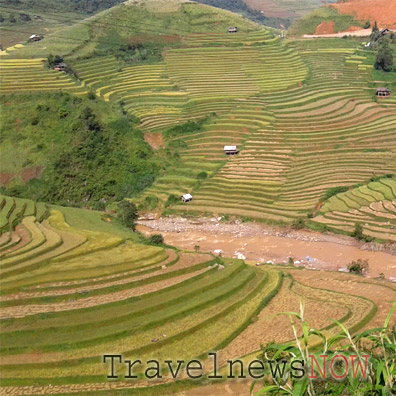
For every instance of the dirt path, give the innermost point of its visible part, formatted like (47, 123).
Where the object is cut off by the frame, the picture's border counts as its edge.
(269, 244)
(354, 33)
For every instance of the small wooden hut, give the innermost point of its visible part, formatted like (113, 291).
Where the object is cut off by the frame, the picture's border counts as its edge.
(383, 92)
(231, 150)
(186, 198)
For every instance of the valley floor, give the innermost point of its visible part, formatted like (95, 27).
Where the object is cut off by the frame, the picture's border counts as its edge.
(263, 243)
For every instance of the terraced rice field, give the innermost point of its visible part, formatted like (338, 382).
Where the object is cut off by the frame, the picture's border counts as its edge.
(302, 114)
(326, 133)
(372, 205)
(70, 294)
(140, 299)
(29, 75)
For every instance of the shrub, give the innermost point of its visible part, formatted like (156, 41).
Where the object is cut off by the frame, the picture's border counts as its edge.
(156, 239)
(150, 202)
(225, 217)
(358, 232)
(172, 200)
(91, 95)
(367, 25)
(186, 128)
(358, 267)
(25, 17)
(334, 191)
(127, 214)
(202, 176)
(298, 224)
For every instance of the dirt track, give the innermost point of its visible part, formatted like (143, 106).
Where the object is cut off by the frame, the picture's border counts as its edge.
(354, 33)
(269, 244)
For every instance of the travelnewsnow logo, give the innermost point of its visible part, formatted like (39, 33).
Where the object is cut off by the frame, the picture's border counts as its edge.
(338, 366)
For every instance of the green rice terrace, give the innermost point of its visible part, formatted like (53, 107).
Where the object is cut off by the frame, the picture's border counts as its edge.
(142, 300)
(142, 112)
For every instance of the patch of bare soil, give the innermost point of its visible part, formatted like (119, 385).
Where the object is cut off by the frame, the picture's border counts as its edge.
(26, 174)
(6, 177)
(353, 28)
(325, 28)
(381, 11)
(155, 140)
(270, 244)
(34, 172)
(355, 33)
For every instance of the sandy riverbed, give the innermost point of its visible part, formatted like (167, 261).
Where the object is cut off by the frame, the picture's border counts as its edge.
(263, 243)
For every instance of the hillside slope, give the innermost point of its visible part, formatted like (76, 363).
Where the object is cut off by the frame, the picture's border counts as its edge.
(75, 287)
(61, 148)
(346, 16)
(279, 14)
(381, 11)
(20, 19)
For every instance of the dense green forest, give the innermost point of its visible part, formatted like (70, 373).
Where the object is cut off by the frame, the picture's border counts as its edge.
(89, 152)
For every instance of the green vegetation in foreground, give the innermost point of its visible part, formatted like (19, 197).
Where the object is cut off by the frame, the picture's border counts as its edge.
(84, 152)
(379, 344)
(308, 23)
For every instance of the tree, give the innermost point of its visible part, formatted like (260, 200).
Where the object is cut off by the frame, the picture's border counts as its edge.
(25, 17)
(358, 232)
(298, 224)
(358, 267)
(127, 214)
(156, 239)
(54, 60)
(384, 59)
(202, 176)
(375, 34)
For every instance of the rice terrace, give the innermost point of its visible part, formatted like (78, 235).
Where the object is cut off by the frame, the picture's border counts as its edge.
(198, 198)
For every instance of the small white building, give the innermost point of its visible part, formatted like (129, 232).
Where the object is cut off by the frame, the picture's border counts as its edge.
(231, 150)
(232, 29)
(186, 198)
